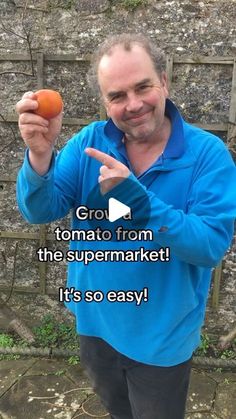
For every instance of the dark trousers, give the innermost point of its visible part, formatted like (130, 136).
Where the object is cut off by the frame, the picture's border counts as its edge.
(133, 390)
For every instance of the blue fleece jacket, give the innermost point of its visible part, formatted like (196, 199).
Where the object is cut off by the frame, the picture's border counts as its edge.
(192, 197)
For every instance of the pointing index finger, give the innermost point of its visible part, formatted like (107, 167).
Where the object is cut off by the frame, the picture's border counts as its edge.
(103, 158)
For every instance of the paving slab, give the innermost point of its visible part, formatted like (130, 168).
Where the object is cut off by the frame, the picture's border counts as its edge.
(78, 376)
(48, 366)
(10, 371)
(220, 377)
(49, 388)
(41, 389)
(203, 416)
(201, 392)
(225, 400)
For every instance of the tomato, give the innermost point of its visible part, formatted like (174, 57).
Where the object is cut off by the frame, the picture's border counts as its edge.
(50, 103)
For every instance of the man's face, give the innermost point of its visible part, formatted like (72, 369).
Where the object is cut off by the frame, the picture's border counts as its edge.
(133, 93)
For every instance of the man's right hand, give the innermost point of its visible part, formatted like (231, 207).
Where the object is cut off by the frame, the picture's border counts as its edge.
(39, 134)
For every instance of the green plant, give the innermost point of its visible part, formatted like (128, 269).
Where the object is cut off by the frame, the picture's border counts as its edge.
(133, 4)
(228, 354)
(53, 334)
(68, 336)
(73, 360)
(46, 333)
(63, 4)
(59, 373)
(204, 345)
(6, 341)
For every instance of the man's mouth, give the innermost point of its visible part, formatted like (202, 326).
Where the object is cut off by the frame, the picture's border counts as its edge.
(138, 117)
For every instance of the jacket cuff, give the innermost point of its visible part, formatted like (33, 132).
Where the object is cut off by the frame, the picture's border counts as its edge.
(32, 176)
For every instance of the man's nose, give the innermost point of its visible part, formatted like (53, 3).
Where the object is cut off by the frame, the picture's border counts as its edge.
(134, 103)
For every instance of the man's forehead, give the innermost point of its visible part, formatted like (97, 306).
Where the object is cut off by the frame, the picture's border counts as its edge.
(119, 51)
(126, 66)
(132, 46)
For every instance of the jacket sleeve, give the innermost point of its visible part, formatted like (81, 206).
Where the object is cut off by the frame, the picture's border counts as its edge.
(43, 199)
(202, 234)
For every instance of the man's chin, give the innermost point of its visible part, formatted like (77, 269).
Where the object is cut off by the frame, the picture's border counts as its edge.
(139, 134)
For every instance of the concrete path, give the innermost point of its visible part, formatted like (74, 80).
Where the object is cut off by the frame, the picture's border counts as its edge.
(46, 389)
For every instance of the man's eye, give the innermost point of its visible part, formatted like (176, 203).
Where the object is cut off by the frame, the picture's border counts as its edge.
(117, 98)
(144, 87)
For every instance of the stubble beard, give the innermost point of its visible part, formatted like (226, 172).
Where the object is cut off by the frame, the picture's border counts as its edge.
(144, 134)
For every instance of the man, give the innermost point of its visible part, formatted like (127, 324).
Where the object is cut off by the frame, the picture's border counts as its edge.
(138, 356)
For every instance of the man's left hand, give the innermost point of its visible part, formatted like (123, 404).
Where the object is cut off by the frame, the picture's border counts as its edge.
(111, 172)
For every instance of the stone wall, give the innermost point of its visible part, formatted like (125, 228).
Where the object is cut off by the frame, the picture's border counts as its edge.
(201, 91)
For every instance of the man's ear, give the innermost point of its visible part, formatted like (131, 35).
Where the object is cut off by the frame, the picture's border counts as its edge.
(164, 82)
(164, 78)
(106, 107)
(103, 104)
(103, 111)
(107, 111)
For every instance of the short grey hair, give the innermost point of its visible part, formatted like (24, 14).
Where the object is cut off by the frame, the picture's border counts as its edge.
(127, 40)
